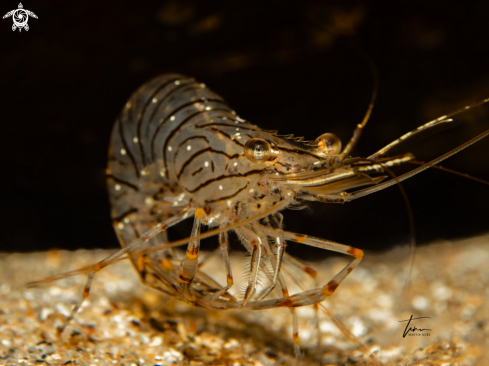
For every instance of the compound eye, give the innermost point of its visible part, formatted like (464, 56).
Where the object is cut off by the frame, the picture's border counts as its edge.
(259, 150)
(329, 144)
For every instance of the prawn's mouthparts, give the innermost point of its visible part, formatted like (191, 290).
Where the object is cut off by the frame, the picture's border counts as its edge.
(326, 181)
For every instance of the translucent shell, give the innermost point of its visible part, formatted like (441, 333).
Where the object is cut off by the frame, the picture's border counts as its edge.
(259, 150)
(329, 144)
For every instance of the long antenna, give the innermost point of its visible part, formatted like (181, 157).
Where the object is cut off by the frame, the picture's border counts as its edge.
(364, 192)
(412, 227)
(465, 175)
(358, 131)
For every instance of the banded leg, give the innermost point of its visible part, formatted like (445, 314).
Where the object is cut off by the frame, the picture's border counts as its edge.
(224, 246)
(295, 335)
(282, 286)
(275, 221)
(166, 256)
(324, 244)
(316, 295)
(188, 265)
(86, 292)
(332, 285)
(276, 265)
(313, 274)
(279, 236)
(301, 266)
(113, 258)
(278, 279)
(253, 240)
(146, 263)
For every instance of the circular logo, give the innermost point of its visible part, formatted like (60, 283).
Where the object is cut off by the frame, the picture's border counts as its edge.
(20, 17)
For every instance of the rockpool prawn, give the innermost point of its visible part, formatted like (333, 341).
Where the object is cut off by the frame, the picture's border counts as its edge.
(178, 150)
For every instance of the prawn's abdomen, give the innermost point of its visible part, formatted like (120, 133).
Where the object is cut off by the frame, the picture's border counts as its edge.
(175, 141)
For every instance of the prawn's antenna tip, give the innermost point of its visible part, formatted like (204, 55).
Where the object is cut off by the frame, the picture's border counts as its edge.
(375, 89)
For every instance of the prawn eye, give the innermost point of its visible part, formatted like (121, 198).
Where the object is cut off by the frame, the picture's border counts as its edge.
(259, 150)
(329, 144)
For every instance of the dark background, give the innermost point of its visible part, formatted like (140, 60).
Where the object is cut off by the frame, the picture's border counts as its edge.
(288, 65)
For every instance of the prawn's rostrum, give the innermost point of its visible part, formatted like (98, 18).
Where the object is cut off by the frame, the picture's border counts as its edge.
(20, 17)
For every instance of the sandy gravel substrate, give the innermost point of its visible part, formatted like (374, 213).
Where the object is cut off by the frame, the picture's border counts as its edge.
(125, 323)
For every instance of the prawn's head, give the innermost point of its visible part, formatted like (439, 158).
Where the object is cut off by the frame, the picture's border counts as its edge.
(312, 170)
(261, 150)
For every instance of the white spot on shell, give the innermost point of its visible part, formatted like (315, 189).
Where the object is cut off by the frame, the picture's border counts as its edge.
(144, 172)
(123, 152)
(135, 139)
(120, 225)
(177, 82)
(220, 188)
(206, 164)
(128, 105)
(154, 100)
(149, 200)
(202, 85)
(251, 190)
(208, 108)
(117, 187)
(189, 147)
(235, 163)
(126, 220)
(229, 203)
(170, 148)
(172, 118)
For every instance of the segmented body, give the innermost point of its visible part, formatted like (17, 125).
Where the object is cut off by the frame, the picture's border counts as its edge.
(177, 144)
(178, 150)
